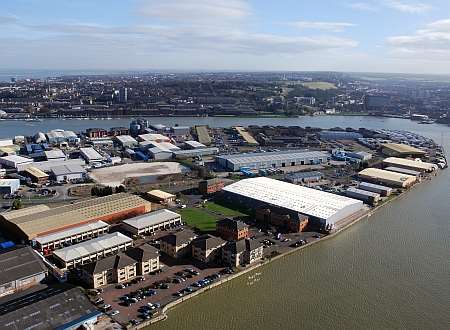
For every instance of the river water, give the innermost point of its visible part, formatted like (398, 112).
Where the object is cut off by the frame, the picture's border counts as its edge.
(391, 271)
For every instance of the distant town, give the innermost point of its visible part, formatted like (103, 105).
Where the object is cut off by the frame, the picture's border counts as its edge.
(422, 98)
(113, 227)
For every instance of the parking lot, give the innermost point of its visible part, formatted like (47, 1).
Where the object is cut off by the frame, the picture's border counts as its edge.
(151, 293)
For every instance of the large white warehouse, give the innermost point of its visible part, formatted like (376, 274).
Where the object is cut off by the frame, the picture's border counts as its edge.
(327, 208)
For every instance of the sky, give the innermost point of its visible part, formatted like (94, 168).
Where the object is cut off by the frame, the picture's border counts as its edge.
(406, 36)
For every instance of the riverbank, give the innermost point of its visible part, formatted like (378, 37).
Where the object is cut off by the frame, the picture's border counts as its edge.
(350, 222)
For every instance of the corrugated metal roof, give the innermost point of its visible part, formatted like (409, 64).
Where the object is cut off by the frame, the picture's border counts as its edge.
(272, 156)
(410, 163)
(386, 175)
(34, 171)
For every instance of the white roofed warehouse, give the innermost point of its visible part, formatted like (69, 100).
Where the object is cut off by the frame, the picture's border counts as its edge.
(150, 222)
(322, 208)
(256, 161)
(391, 179)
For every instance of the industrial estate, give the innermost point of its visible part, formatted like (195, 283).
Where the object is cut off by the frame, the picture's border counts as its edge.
(116, 226)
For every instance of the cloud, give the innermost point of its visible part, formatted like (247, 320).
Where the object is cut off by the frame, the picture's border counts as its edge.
(407, 6)
(363, 6)
(431, 43)
(8, 19)
(196, 11)
(326, 26)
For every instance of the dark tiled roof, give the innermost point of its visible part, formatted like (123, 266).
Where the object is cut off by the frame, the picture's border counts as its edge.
(113, 262)
(232, 224)
(207, 242)
(19, 263)
(241, 246)
(143, 253)
(180, 237)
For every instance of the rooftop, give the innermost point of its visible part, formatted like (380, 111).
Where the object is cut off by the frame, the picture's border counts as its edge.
(272, 156)
(67, 169)
(160, 194)
(71, 232)
(36, 172)
(403, 148)
(301, 199)
(385, 175)
(410, 163)
(92, 246)
(151, 219)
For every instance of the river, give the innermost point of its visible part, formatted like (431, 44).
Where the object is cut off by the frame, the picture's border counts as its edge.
(391, 271)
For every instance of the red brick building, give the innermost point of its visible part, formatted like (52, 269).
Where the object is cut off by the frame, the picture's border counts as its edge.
(232, 229)
(289, 221)
(210, 186)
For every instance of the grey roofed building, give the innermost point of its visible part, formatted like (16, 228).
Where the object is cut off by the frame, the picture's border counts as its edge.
(151, 219)
(92, 247)
(68, 169)
(54, 154)
(181, 237)
(46, 308)
(18, 264)
(117, 261)
(207, 242)
(143, 253)
(241, 246)
(272, 159)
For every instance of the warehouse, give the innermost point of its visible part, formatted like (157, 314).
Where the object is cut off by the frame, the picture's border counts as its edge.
(68, 173)
(401, 150)
(325, 208)
(14, 161)
(92, 250)
(9, 186)
(151, 222)
(160, 154)
(73, 235)
(184, 154)
(109, 209)
(160, 196)
(376, 188)
(304, 177)
(194, 145)
(47, 166)
(154, 138)
(367, 197)
(388, 178)
(402, 170)
(410, 164)
(55, 154)
(20, 269)
(256, 161)
(36, 175)
(91, 155)
(126, 141)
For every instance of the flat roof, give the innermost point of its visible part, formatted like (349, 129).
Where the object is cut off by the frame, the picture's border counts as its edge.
(160, 194)
(376, 186)
(403, 148)
(48, 165)
(301, 199)
(363, 192)
(17, 159)
(74, 214)
(91, 153)
(272, 156)
(386, 175)
(410, 163)
(153, 137)
(71, 232)
(67, 169)
(126, 139)
(54, 153)
(92, 246)
(151, 219)
(45, 307)
(402, 170)
(19, 263)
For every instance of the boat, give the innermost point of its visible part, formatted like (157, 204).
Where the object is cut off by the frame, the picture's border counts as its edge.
(427, 121)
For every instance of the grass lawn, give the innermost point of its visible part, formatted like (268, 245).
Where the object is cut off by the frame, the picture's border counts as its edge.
(225, 211)
(198, 218)
(322, 85)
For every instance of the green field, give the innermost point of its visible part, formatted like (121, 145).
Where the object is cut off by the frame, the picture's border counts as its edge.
(222, 210)
(322, 85)
(199, 218)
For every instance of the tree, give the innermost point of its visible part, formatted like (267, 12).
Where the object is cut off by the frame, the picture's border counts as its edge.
(17, 204)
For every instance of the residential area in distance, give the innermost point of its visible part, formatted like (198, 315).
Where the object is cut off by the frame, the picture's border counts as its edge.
(113, 227)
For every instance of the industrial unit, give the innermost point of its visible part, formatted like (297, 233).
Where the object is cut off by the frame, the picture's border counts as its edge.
(73, 235)
(367, 197)
(160, 196)
(413, 165)
(376, 188)
(151, 222)
(203, 152)
(402, 170)
(13, 161)
(325, 208)
(91, 155)
(36, 175)
(391, 179)
(126, 141)
(68, 173)
(92, 250)
(9, 186)
(401, 150)
(109, 209)
(256, 161)
(20, 268)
